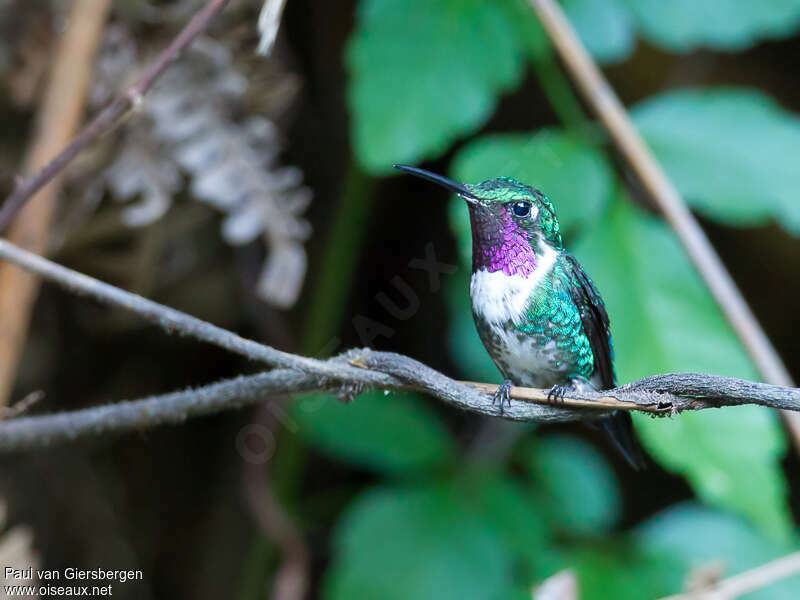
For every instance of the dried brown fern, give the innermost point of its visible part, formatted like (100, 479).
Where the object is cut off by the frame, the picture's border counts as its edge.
(190, 126)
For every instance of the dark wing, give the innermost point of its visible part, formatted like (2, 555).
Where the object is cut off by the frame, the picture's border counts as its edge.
(595, 321)
(618, 426)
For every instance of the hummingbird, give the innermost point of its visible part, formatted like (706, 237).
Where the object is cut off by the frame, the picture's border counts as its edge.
(537, 312)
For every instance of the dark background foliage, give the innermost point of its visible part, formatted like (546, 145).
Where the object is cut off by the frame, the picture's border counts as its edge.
(395, 495)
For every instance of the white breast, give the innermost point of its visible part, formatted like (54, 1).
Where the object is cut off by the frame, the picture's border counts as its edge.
(499, 297)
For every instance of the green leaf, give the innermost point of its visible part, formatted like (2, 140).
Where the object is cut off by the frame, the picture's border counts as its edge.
(417, 543)
(605, 27)
(426, 72)
(730, 456)
(576, 177)
(699, 536)
(621, 572)
(392, 432)
(731, 152)
(664, 320)
(527, 28)
(577, 487)
(683, 25)
(502, 503)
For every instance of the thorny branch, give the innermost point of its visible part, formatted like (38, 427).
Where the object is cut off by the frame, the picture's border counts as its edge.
(347, 375)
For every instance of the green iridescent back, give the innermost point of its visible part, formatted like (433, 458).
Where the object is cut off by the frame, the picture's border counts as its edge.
(553, 317)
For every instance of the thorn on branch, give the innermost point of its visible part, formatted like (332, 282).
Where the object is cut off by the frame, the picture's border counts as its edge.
(136, 99)
(350, 391)
(665, 405)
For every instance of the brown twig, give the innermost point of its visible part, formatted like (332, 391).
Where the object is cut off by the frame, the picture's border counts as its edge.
(112, 113)
(57, 120)
(749, 581)
(538, 396)
(292, 577)
(171, 320)
(23, 406)
(599, 94)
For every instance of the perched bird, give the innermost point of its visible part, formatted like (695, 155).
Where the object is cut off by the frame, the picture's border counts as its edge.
(537, 312)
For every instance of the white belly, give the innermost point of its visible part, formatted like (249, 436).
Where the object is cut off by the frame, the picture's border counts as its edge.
(524, 360)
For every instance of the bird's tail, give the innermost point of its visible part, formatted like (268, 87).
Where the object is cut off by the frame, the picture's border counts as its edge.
(619, 428)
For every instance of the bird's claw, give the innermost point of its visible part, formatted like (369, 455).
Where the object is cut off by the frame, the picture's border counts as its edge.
(556, 395)
(503, 395)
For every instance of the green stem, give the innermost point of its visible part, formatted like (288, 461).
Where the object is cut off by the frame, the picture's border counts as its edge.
(561, 96)
(254, 585)
(336, 272)
(324, 318)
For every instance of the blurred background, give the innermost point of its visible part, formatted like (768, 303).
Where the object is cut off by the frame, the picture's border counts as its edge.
(257, 193)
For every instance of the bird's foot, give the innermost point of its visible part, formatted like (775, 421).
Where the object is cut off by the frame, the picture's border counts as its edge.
(556, 394)
(503, 395)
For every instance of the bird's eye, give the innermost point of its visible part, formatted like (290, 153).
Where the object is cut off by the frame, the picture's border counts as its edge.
(521, 209)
